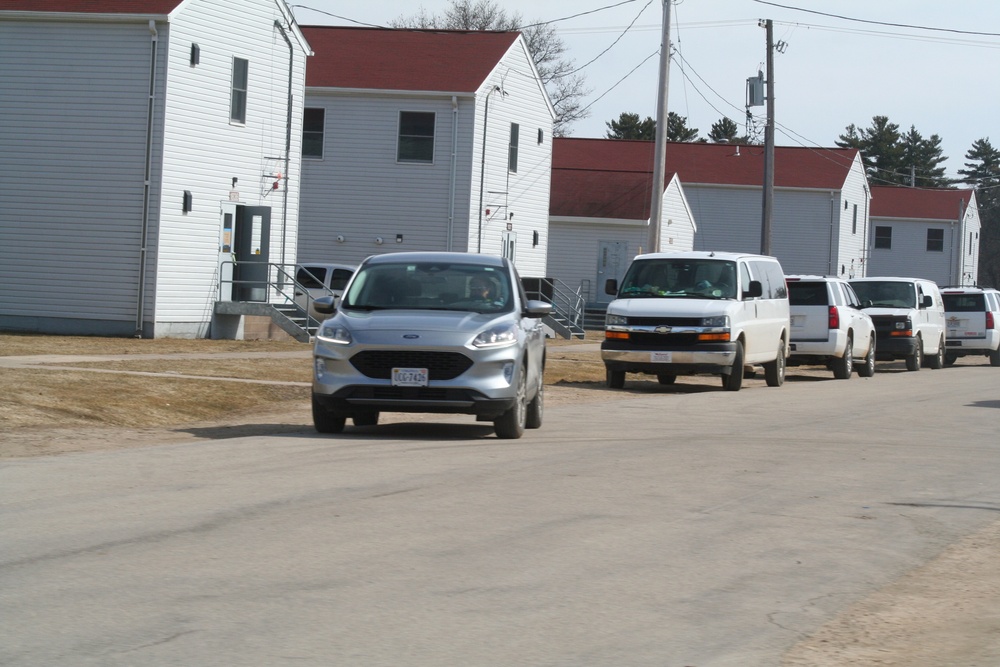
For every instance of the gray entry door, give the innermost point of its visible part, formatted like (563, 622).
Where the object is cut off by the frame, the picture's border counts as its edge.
(611, 263)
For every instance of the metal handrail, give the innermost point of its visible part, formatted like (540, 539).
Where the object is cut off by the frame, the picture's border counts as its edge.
(278, 289)
(566, 303)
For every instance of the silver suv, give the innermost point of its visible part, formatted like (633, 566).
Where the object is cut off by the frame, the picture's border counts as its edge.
(434, 332)
(829, 327)
(972, 317)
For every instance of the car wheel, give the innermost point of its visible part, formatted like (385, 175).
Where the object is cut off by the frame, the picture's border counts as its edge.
(937, 361)
(950, 359)
(915, 360)
(995, 357)
(324, 421)
(510, 425)
(365, 419)
(666, 378)
(615, 379)
(734, 380)
(774, 371)
(844, 366)
(867, 369)
(536, 408)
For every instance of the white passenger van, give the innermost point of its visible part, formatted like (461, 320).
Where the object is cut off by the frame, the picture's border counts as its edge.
(692, 313)
(909, 319)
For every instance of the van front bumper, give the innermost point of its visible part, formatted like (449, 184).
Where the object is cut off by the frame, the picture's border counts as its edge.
(706, 358)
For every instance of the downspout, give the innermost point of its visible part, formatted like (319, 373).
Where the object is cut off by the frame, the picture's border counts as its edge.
(144, 235)
(864, 227)
(454, 168)
(482, 166)
(830, 269)
(288, 138)
(960, 265)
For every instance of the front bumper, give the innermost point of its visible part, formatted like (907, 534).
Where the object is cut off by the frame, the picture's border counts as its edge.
(715, 358)
(895, 347)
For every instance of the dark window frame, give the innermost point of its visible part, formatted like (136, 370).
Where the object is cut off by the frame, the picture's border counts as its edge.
(935, 244)
(238, 92)
(414, 144)
(313, 139)
(883, 237)
(515, 134)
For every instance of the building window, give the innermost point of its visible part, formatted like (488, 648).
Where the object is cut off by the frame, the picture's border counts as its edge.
(416, 137)
(515, 130)
(313, 121)
(935, 240)
(971, 241)
(238, 105)
(883, 237)
(854, 221)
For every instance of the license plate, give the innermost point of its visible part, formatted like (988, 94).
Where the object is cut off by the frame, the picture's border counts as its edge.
(661, 357)
(409, 377)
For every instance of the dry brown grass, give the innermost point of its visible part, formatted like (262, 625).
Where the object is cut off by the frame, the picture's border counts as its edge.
(116, 393)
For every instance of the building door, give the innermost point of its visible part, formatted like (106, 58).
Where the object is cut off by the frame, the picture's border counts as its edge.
(251, 241)
(611, 263)
(227, 254)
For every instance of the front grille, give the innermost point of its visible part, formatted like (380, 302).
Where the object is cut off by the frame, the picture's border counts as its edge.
(885, 323)
(378, 364)
(661, 340)
(664, 321)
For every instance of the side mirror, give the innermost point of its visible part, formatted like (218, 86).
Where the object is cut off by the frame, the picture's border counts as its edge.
(754, 290)
(611, 286)
(537, 309)
(325, 304)
(927, 302)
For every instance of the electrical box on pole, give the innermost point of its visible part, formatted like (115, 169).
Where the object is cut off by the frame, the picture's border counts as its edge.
(755, 90)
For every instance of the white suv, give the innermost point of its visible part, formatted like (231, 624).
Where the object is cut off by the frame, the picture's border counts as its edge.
(829, 327)
(972, 315)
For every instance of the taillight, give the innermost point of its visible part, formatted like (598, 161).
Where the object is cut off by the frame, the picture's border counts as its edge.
(989, 320)
(834, 322)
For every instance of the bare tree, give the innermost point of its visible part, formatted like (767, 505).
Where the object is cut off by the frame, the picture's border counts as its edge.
(564, 86)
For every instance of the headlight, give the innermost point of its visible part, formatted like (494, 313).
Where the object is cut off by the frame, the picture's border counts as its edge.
(615, 320)
(903, 324)
(720, 322)
(497, 336)
(334, 334)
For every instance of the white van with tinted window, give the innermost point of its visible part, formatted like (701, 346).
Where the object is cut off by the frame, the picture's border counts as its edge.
(908, 314)
(691, 313)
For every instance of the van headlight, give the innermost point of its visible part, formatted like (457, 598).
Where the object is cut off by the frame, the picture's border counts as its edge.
(498, 336)
(615, 321)
(333, 333)
(719, 322)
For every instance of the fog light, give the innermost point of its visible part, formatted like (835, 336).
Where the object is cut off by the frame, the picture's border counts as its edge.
(508, 371)
(320, 366)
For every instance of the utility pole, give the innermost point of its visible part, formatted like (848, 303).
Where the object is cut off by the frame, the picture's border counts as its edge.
(768, 203)
(660, 154)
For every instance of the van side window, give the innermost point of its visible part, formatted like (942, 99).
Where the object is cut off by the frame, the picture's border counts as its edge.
(771, 278)
(744, 277)
(339, 279)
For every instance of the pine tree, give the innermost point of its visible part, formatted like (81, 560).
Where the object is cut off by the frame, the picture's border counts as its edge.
(628, 126)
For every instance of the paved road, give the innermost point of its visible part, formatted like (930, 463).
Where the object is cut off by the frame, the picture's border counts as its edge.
(675, 529)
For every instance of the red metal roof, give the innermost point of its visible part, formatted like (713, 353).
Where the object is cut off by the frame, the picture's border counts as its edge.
(919, 203)
(91, 6)
(385, 59)
(590, 176)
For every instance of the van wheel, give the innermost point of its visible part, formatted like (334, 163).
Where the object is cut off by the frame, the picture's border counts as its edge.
(843, 366)
(774, 371)
(324, 421)
(915, 360)
(867, 369)
(995, 357)
(950, 359)
(937, 361)
(615, 379)
(734, 380)
(666, 378)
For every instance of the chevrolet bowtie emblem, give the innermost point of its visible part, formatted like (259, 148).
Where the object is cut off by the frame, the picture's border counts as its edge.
(663, 329)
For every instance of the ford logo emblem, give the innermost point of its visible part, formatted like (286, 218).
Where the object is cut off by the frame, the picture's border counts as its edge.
(411, 336)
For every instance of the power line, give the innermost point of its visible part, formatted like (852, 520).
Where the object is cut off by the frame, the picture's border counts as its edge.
(886, 23)
(630, 72)
(566, 18)
(594, 59)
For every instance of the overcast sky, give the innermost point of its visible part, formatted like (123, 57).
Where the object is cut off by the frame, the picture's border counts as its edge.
(844, 62)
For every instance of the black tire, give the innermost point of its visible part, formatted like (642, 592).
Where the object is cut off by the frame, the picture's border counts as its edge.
(365, 419)
(915, 360)
(774, 371)
(324, 421)
(536, 408)
(511, 424)
(666, 378)
(995, 357)
(844, 365)
(867, 369)
(734, 380)
(950, 359)
(615, 379)
(937, 361)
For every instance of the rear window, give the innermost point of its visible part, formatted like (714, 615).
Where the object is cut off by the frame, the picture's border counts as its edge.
(806, 294)
(311, 277)
(964, 303)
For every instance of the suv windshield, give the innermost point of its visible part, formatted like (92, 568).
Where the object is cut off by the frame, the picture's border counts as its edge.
(430, 286)
(888, 294)
(680, 278)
